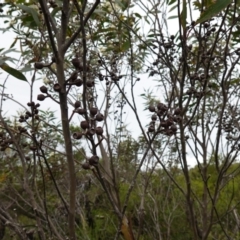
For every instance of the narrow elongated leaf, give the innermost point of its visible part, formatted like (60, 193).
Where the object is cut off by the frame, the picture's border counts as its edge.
(125, 46)
(15, 73)
(173, 17)
(172, 8)
(55, 11)
(14, 42)
(138, 15)
(123, 4)
(213, 10)
(31, 11)
(183, 16)
(171, 2)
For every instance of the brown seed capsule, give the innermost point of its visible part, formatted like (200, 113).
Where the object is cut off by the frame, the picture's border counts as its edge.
(170, 115)
(174, 128)
(115, 78)
(43, 89)
(93, 111)
(57, 87)
(90, 83)
(160, 113)
(154, 117)
(78, 82)
(31, 104)
(177, 118)
(24, 144)
(164, 124)
(38, 65)
(27, 158)
(101, 78)
(77, 104)
(152, 123)
(77, 135)
(33, 148)
(99, 130)
(91, 132)
(76, 63)
(169, 132)
(169, 122)
(28, 113)
(41, 97)
(206, 24)
(84, 125)
(86, 166)
(73, 76)
(80, 111)
(21, 129)
(37, 105)
(93, 160)
(99, 117)
(162, 107)
(151, 108)
(177, 111)
(151, 128)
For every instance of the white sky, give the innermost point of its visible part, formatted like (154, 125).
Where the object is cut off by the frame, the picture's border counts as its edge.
(20, 90)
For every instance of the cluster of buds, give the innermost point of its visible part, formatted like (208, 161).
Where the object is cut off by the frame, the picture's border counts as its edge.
(44, 89)
(5, 142)
(74, 80)
(230, 123)
(29, 114)
(88, 128)
(52, 4)
(91, 162)
(192, 91)
(41, 97)
(167, 118)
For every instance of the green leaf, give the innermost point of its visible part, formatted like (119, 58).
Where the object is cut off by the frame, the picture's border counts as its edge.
(1, 61)
(125, 46)
(32, 12)
(138, 15)
(27, 69)
(234, 81)
(172, 8)
(14, 42)
(183, 15)
(15, 73)
(8, 51)
(173, 17)
(213, 10)
(123, 4)
(55, 10)
(171, 2)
